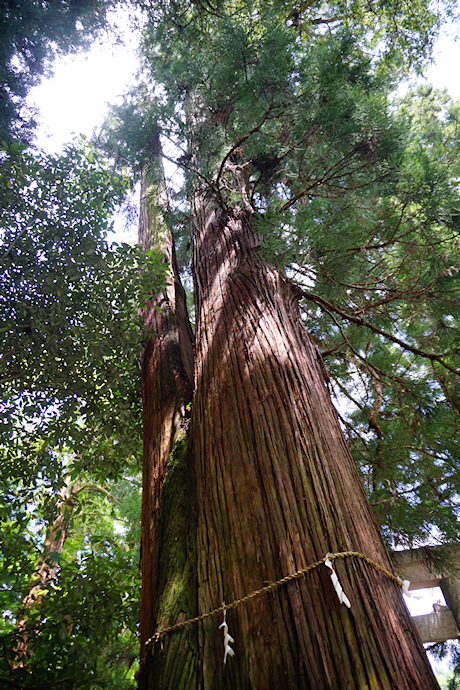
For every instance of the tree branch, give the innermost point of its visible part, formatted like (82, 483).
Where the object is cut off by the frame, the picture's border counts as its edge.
(321, 302)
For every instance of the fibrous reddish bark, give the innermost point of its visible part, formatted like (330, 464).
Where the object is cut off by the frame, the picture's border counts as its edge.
(277, 489)
(167, 385)
(274, 488)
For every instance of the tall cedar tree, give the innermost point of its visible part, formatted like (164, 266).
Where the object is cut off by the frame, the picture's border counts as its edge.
(285, 132)
(309, 205)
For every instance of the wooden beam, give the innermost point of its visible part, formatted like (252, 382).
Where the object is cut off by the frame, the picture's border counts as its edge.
(438, 626)
(414, 565)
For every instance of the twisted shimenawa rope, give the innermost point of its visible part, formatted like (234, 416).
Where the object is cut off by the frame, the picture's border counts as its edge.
(268, 588)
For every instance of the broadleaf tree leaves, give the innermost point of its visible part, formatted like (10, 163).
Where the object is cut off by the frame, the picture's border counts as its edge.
(72, 334)
(70, 408)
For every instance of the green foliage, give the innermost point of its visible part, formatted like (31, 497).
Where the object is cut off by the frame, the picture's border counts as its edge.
(83, 631)
(448, 652)
(399, 33)
(130, 133)
(70, 405)
(392, 260)
(71, 336)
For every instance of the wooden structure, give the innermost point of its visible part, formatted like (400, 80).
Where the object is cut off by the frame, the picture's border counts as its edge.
(416, 565)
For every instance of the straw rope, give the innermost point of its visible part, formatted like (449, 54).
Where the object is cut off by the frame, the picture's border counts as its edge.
(268, 588)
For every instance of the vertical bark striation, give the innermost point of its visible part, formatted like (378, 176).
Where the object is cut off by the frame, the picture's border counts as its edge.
(277, 489)
(167, 555)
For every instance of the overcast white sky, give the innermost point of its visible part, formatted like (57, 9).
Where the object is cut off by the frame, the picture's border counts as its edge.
(74, 100)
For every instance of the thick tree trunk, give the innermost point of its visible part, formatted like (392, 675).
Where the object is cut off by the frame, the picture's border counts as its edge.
(167, 549)
(277, 489)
